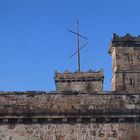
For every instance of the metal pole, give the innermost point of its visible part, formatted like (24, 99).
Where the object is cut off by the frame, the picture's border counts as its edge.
(78, 47)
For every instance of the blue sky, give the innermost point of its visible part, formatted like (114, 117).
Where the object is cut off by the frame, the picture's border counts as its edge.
(34, 41)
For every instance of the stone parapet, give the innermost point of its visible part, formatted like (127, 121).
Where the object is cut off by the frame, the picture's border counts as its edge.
(32, 104)
(79, 76)
(126, 40)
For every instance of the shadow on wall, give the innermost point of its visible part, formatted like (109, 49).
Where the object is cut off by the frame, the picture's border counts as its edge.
(131, 135)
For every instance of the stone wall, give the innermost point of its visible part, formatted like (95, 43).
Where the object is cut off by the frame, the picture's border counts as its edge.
(52, 116)
(126, 59)
(126, 69)
(81, 86)
(30, 103)
(109, 131)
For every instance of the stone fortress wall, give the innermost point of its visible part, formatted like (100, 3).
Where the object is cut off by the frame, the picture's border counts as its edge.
(52, 116)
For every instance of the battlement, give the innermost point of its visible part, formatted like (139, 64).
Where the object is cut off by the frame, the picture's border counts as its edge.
(125, 41)
(79, 81)
(79, 76)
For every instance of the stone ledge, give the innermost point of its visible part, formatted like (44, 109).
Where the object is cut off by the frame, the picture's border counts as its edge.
(72, 120)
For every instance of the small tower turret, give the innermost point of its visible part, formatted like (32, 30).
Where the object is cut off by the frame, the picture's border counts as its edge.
(82, 82)
(125, 52)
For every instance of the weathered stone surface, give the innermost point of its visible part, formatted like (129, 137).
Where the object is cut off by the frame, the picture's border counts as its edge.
(125, 52)
(70, 132)
(88, 104)
(87, 82)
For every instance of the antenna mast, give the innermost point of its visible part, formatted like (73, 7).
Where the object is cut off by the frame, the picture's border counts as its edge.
(78, 46)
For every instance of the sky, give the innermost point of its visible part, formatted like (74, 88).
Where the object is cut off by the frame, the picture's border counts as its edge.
(34, 41)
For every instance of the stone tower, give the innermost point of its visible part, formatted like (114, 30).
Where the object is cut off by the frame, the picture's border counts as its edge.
(83, 82)
(79, 82)
(125, 52)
